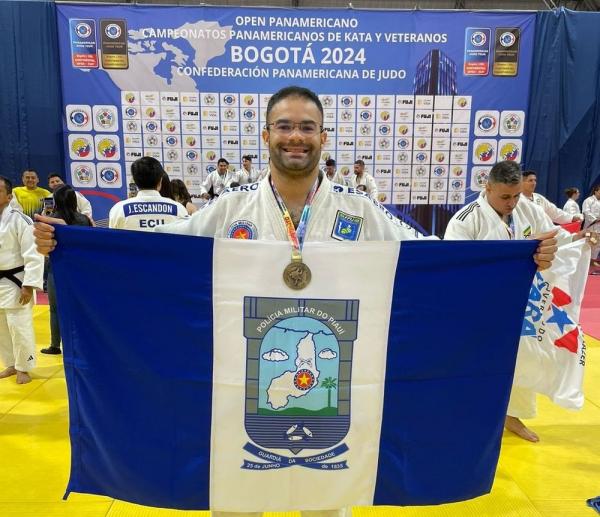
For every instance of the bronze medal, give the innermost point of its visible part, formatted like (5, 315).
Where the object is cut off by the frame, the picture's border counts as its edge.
(297, 275)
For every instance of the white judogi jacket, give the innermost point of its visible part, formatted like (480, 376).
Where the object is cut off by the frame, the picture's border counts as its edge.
(557, 215)
(479, 221)
(366, 179)
(220, 183)
(145, 211)
(571, 207)
(83, 205)
(15, 204)
(249, 177)
(591, 210)
(251, 211)
(337, 178)
(17, 248)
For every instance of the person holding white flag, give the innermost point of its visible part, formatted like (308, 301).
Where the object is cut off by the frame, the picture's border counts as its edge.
(502, 213)
(294, 203)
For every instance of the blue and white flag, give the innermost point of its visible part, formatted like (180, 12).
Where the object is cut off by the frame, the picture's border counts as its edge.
(194, 373)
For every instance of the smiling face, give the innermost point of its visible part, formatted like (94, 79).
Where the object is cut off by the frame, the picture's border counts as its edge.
(30, 179)
(295, 154)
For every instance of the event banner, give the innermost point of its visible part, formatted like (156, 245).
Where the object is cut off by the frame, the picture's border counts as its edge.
(429, 100)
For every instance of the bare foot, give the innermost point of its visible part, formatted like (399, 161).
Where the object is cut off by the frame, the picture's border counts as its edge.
(10, 371)
(23, 377)
(514, 425)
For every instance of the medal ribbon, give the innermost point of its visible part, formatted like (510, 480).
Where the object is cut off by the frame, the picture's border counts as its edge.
(510, 227)
(296, 235)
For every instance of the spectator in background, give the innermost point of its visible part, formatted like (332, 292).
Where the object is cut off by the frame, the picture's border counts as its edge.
(362, 178)
(21, 271)
(66, 208)
(331, 171)
(30, 196)
(217, 181)
(148, 208)
(248, 174)
(55, 181)
(132, 191)
(591, 213)
(557, 215)
(571, 207)
(181, 195)
(165, 187)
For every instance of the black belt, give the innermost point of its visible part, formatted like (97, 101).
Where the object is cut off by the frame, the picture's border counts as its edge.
(9, 274)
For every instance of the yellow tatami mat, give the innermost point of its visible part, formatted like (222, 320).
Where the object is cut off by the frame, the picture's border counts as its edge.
(552, 478)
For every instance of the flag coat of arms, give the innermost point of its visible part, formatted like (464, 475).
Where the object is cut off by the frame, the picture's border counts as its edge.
(194, 373)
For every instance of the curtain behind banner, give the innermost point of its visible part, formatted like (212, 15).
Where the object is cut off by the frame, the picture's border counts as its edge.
(30, 104)
(563, 143)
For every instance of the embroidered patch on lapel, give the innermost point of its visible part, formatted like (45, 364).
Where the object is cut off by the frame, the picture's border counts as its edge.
(346, 227)
(527, 232)
(242, 230)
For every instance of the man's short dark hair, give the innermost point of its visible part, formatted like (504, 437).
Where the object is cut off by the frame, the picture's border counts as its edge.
(294, 91)
(7, 184)
(529, 173)
(55, 175)
(29, 170)
(507, 172)
(247, 157)
(223, 160)
(359, 162)
(147, 172)
(330, 162)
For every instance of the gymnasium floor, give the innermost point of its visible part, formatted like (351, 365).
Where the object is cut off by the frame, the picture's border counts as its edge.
(551, 478)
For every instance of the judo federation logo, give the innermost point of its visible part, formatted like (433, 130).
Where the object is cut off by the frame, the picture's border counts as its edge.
(298, 377)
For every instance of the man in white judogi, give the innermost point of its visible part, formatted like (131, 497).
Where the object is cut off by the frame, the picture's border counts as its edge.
(248, 174)
(220, 179)
(591, 212)
(331, 171)
(148, 209)
(502, 213)
(556, 214)
(295, 136)
(21, 271)
(362, 178)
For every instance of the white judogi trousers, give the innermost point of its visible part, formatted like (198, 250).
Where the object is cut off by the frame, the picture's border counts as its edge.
(522, 403)
(306, 513)
(17, 339)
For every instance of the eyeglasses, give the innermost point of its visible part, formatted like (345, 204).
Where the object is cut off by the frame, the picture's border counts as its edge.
(285, 127)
